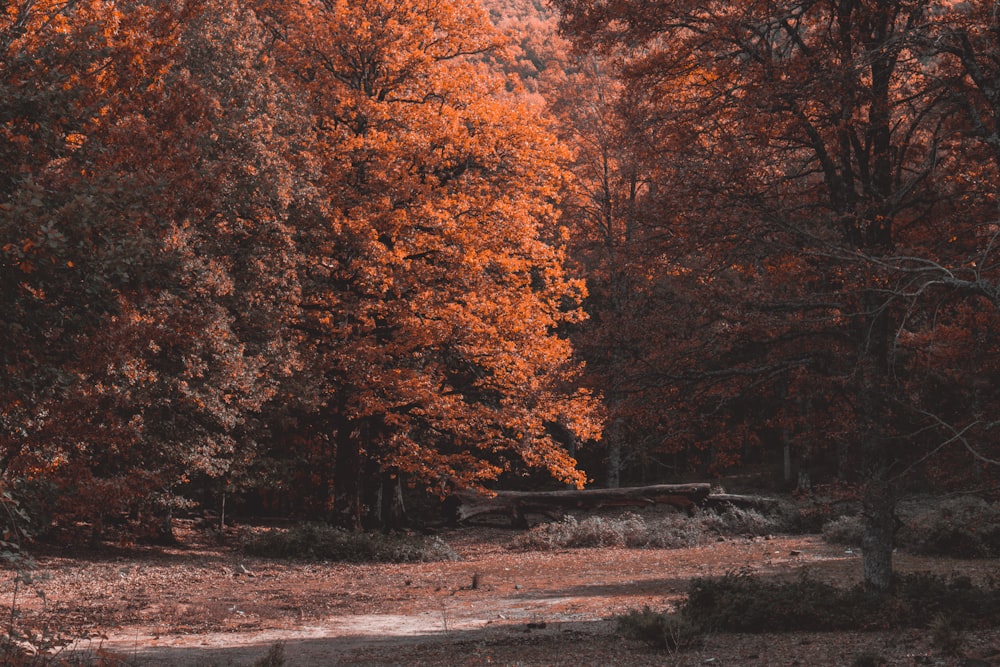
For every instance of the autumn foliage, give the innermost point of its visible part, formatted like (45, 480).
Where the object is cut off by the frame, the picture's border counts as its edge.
(824, 203)
(239, 239)
(319, 252)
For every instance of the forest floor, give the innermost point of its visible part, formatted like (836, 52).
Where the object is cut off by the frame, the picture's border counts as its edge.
(203, 603)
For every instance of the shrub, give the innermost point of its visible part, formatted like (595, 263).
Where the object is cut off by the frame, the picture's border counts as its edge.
(671, 632)
(967, 527)
(322, 542)
(672, 531)
(846, 530)
(947, 634)
(629, 529)
(810, 519)
(748, 522)
(741, 602)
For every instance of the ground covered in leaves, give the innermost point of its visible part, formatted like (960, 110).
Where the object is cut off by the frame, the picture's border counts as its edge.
(204, 602)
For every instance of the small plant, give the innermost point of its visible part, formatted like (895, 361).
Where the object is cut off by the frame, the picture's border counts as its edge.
(741, 521)
(745, 602)
(275, 657)
(322, 542)
(671, 632)
(947, 633)
(22, 643)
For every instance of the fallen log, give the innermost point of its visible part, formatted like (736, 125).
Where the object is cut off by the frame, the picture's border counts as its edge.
(466, 505)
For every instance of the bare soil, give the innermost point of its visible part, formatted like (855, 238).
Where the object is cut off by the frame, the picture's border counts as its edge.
(202, 603)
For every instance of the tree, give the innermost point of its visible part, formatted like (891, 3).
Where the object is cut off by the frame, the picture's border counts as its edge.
(432, 298)
(148, 255)
(819, 140)
(609, 244)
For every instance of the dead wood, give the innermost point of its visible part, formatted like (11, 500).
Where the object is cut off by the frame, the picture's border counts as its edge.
(466, 505)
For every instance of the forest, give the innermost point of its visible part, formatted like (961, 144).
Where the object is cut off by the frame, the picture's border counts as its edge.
(340, 259)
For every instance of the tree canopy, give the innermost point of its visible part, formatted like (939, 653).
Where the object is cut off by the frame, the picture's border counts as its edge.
(317, 252)
(813, 176)
(240, 238)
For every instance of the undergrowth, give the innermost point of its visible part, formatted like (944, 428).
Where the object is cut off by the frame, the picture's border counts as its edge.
(742, 602)
(275, 657)
(23, 643)
(747, 603)
(846, 530)
(631, 530)
(314, 541)
(966, 527)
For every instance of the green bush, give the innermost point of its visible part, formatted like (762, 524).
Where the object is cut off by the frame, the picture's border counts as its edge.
(810, 519)
(868, 659)
(740, 521)
(321, 542)
(947, 634)
(967, 527)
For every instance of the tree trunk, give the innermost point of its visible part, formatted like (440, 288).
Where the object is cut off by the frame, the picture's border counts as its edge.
(614, 469)
(349, 463)
(878, 496)
(788, 458)
(392, 511)
(879, 505)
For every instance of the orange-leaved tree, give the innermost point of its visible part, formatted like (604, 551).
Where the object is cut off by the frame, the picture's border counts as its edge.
(148, 265)
(433, 291)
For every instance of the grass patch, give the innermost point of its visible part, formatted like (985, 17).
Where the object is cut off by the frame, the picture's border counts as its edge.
(314, 541)
(672, 531)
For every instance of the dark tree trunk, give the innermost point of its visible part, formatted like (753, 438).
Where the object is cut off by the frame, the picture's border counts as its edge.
(615, 436)
(879, 504)
(348, 481)
(878, 495)
(392, 509)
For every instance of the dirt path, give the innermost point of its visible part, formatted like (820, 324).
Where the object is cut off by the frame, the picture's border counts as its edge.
(211, 610)
(205, 606)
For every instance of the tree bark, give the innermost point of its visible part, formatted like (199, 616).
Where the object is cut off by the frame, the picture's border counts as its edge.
(878, 495)
(614, 442)
(349, 462)
(392, 509)
(879, 504)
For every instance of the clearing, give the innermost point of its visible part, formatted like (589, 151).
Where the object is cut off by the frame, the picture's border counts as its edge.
(203, 603)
